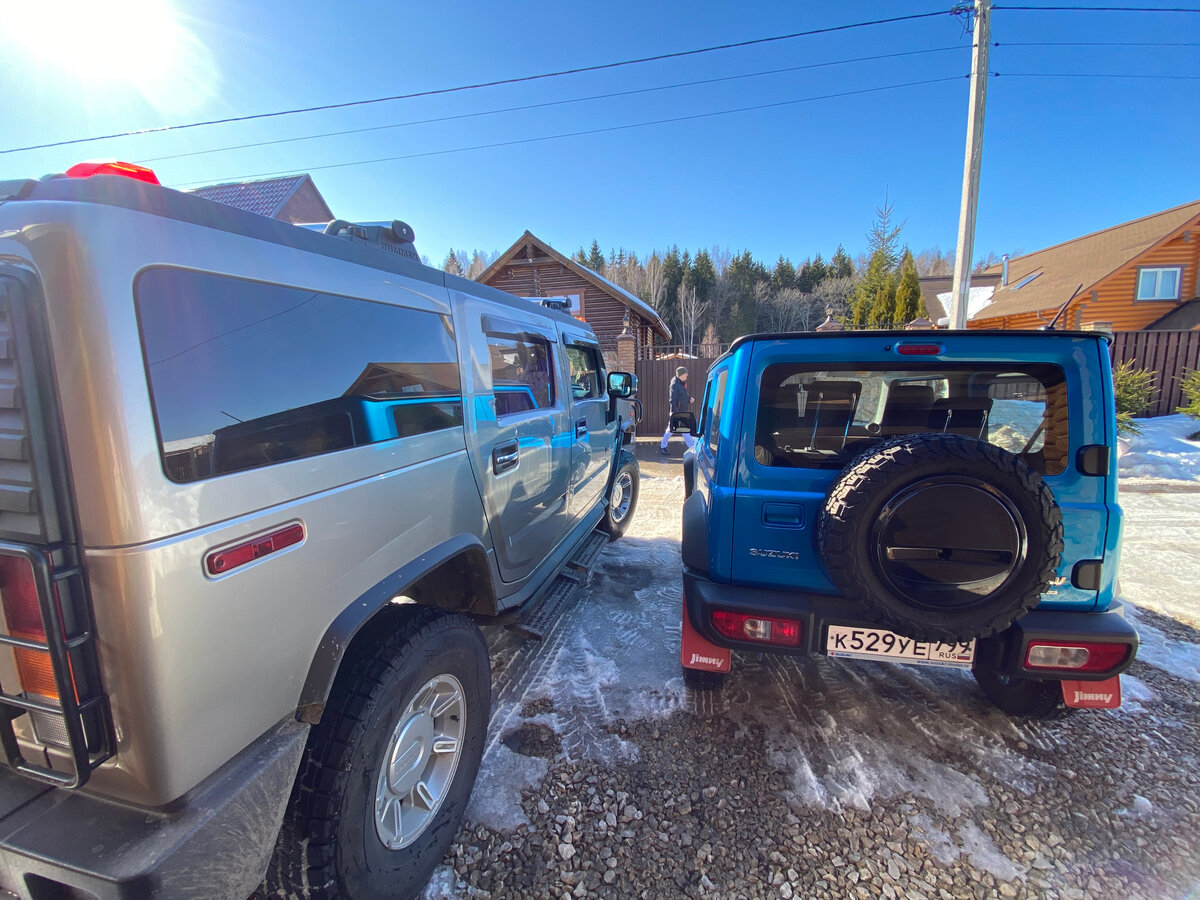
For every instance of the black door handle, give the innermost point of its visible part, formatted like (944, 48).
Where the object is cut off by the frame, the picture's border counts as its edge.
(504, 457)
(580, 428)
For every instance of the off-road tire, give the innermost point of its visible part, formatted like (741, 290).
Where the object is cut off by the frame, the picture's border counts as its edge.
(329, 847)
(703, 679)
(619, 510)
(1029, 698)
(850, 547)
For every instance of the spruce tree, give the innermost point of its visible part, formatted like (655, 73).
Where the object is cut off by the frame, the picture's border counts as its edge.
(595, 260)
(909, 302)
(451, 263)
(784, 275)
(702, 275)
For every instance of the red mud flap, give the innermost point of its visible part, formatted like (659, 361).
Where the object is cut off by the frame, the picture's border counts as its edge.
(697, 653)
(1093, 694)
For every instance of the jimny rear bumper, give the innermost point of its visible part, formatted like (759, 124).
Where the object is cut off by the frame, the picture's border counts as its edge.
(1004, 653)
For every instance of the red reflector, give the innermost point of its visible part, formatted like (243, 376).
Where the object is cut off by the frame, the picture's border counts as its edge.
(1100, 657)
(918, 349)
(128, 170)
(222, 561)
(763, 629)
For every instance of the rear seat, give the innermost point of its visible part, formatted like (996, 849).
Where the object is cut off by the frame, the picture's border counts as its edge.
(966, 416)
(907, 409)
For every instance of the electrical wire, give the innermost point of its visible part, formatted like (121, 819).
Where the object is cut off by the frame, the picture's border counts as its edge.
(1153, 9)
(547, 104)
(1091, 75)
(1096, 43)
(486, 84)
(571, 134)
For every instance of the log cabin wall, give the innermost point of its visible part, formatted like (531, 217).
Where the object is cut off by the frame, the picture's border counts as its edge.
(534, 274)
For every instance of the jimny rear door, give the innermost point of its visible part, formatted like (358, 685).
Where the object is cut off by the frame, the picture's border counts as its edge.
(814, 403)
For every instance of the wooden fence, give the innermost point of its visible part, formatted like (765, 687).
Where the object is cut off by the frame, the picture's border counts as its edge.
(654, 388)
(1170, 354)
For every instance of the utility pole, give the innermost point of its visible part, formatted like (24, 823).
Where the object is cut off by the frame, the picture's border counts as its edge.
(971, 165)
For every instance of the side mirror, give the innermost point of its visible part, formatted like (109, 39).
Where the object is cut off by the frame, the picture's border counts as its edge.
(683, 423)
(622, 385)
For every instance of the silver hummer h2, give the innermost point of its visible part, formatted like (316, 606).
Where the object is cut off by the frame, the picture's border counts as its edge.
(258, 484)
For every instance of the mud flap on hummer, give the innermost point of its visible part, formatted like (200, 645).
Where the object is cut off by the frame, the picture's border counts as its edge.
(1093, 694)
(697, 653)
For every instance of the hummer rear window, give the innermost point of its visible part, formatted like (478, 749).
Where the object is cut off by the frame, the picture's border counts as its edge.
(816, 417)
(245, 374)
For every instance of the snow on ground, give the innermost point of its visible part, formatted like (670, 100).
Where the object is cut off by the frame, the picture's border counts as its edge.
(1162, 452)
(1160, 553)
(846, 734)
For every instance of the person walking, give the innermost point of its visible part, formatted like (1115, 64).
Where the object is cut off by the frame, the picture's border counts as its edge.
(680, 402)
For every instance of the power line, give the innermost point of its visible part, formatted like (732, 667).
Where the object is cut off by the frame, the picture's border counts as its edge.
(571, 134)
(486, 84)
(1153, 9)
(1091, 75)
(547, 104)
(1096, 44)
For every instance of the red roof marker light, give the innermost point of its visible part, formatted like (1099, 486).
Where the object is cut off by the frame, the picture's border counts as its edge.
(112, 167)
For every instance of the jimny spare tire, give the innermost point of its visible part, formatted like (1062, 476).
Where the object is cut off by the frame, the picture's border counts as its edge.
(940, 537)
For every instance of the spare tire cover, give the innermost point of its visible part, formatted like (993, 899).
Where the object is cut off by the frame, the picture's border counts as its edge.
(941, 537)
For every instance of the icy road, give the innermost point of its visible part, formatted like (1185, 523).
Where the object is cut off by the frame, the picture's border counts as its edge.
(820, 778)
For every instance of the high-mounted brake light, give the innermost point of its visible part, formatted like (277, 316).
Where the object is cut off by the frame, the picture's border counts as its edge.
(764, 629)
(919, 349)
(127, 170)
(1077, 656)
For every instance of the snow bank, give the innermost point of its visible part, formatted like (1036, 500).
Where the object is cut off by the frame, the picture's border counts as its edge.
(1174, 657)
(1162, 452)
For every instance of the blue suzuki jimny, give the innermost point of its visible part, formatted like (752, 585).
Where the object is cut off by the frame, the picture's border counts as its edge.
(936, 498)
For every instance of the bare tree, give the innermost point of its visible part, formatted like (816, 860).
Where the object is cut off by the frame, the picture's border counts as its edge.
(691, 311)
(933, 261)
(655, 283)
(788, 309)
(721, 258)
(834, 294)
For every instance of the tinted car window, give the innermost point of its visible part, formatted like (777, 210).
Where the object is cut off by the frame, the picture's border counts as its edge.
(244, 374)
(819, 417)
(522, 373)
(585, 372)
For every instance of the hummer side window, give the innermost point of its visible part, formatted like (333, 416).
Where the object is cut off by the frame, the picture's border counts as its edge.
(585, 373)
(522, 373)
(244, 374)
(819, 417)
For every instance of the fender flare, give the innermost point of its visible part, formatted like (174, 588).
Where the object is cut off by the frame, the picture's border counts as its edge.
(349, 622)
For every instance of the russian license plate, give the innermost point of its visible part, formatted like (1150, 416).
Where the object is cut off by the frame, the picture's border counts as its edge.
(845, 642)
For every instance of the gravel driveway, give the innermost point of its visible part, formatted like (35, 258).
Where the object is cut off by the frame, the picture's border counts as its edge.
(812, 777)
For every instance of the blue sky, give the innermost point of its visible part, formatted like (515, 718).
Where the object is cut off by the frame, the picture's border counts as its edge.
(1062, 156)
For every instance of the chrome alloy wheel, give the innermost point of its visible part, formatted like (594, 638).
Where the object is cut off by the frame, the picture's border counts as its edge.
(622, 496)
(420, 761)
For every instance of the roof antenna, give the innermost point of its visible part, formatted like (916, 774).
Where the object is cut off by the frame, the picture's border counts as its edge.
(1062, 309)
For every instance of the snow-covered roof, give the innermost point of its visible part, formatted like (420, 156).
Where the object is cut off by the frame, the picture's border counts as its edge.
(977, 299)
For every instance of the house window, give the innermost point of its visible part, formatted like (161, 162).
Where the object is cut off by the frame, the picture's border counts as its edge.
(1159, 284)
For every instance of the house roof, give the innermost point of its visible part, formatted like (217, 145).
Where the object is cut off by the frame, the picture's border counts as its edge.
(1185, 317)
(267, 197)
(1086, 260)
(641, 307)
(936, 289)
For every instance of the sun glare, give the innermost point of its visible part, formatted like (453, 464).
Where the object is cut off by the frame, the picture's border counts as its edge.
(141, 44)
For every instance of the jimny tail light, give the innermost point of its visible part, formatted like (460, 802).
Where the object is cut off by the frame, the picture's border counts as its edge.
(22, 611)
(1076, 656)
(763, 629)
